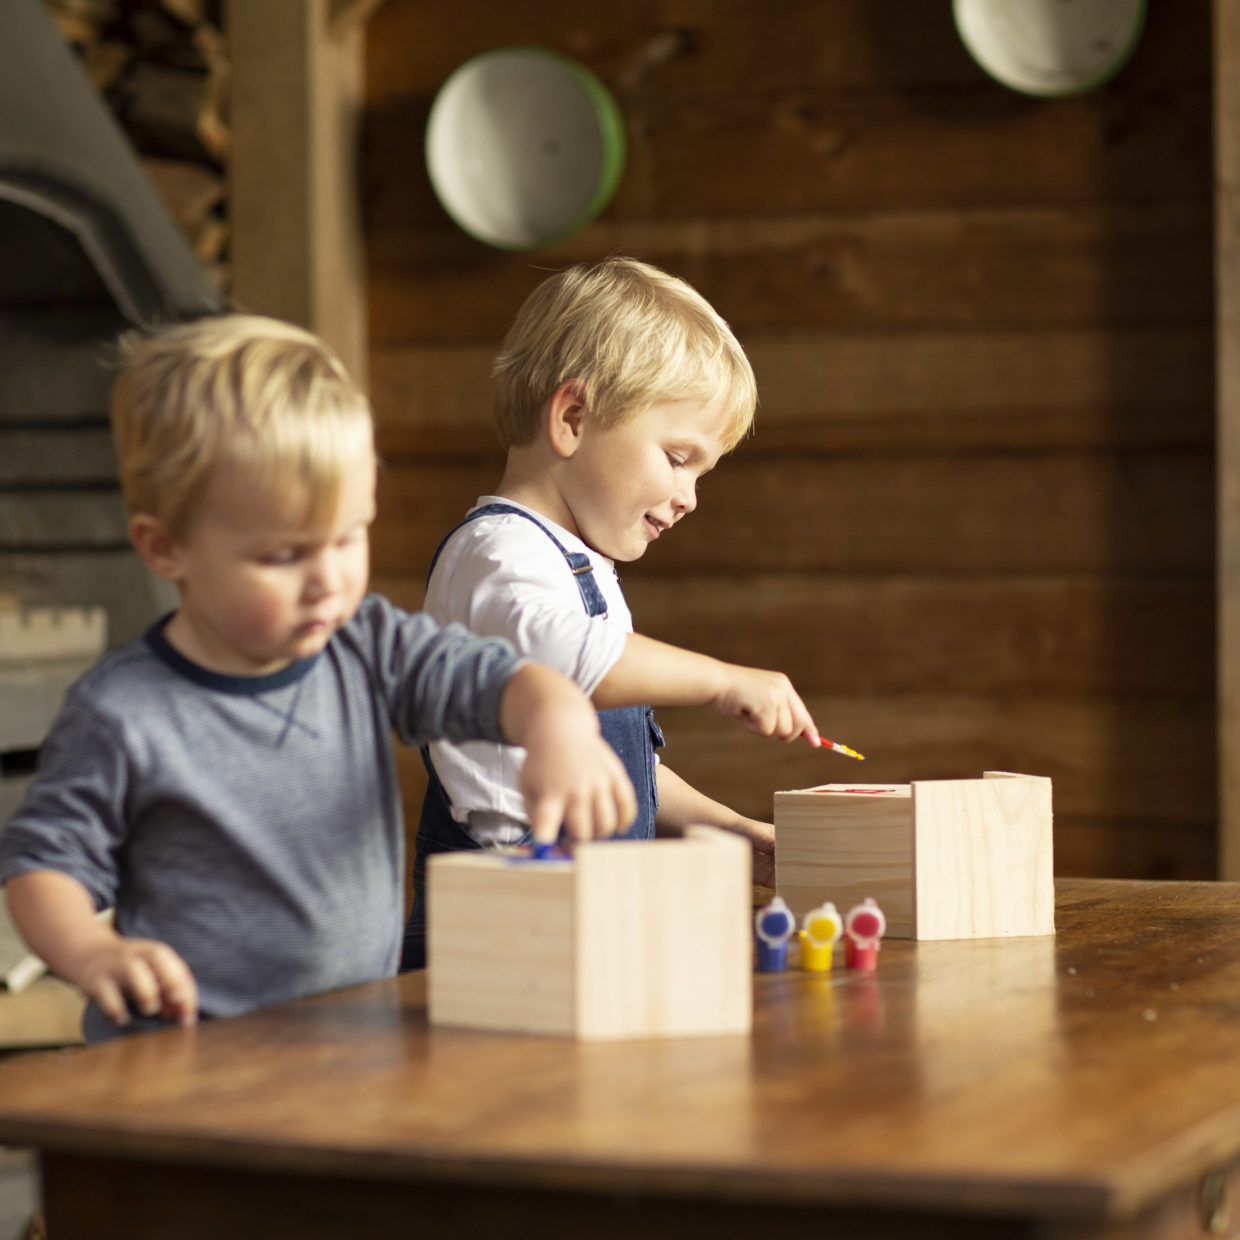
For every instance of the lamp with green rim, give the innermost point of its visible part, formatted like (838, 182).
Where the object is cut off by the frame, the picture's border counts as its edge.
(524, 146)
(1050, 48)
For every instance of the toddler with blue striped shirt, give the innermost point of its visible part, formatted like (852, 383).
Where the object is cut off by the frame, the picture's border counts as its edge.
(226, 782)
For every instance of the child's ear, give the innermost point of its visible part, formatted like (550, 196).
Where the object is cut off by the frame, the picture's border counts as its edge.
(152, 543)
(566, 414)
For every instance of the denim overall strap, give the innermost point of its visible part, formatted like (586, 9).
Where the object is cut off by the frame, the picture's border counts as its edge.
(630, 730)
(591, 596)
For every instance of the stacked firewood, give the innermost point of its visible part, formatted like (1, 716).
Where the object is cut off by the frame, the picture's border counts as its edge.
(162, 66)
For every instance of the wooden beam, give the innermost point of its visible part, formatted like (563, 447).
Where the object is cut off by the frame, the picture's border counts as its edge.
(297, 249)
(1227, 369)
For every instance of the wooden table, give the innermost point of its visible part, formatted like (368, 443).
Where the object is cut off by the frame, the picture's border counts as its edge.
(1077, 1086)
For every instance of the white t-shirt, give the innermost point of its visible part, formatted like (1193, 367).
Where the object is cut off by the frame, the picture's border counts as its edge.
(501, 576)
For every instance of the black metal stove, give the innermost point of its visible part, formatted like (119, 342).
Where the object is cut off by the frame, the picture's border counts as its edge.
(87, 250)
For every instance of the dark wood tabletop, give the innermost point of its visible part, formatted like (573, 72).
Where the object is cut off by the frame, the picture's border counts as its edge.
(1088, 1079)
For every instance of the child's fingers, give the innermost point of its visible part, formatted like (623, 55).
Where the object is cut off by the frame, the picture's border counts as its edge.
(110, 1000)
(576, 816)
(580, 818)
(159, 983)
(618, 804)
(769, 706)
(597, 801)
(177, 988)
(605, 813)
(613, 805)
(139, 982)
(795, 721)
(804, 724)
(546, 817)
(770, 721)
(762, 838)
(595, 814)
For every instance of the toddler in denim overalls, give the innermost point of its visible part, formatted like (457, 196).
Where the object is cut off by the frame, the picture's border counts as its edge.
(618, 387)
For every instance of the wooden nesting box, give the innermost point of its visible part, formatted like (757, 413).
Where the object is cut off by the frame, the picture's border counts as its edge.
(622, 940)
(945, 859)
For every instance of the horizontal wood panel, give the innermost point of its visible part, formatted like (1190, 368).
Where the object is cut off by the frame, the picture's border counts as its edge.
(907, 390)
(936, 634)
(980, 494)
(1053, 513)
(56, 454)
(1088, 263)
(945, 634)
(1135, 848)
(1140, 764)
(1017, 389)
(709, 45)
(697, 44)
(759, 154)
(1135, 758)
(830, 151)
(38, 520)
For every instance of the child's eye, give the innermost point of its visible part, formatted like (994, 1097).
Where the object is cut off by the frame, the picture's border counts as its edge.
(358, 534)
(676, 461)
(286, 555)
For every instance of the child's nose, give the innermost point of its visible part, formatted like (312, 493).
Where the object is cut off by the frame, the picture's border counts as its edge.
(685, 499)
(324, 575)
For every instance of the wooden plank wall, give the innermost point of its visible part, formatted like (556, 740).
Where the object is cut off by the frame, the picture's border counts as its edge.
(975, 523)
(1226, 38)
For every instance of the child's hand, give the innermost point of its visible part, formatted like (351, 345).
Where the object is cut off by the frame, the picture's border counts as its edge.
(571, 776)
(118, 973)
(767, 703)
(762, 836)
(577, 781)
(55, 915)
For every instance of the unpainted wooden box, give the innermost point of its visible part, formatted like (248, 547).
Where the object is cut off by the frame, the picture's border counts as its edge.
(945, 859)
(625, 939)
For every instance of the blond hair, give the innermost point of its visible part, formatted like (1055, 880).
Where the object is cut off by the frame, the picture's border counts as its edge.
(632, 336)
(234, 388)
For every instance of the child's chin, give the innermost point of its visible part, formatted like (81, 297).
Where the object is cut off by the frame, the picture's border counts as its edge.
(309, 644)
(627, 555)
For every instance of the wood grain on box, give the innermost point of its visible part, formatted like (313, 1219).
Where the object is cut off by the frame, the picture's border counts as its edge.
(626, 939)
(946, 859)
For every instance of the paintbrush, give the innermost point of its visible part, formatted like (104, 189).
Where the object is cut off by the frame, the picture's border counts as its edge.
(852, 753)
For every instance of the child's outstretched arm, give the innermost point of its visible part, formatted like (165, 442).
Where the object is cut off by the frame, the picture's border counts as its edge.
(571, 776)
(653, 673)
(682, 805)
(56, 917)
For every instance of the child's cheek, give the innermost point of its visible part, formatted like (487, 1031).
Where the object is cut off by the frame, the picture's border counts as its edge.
(268, 611)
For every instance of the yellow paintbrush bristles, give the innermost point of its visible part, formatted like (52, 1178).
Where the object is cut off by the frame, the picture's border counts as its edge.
(835, 745)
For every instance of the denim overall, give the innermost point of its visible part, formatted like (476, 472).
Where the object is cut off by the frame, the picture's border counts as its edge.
(630, 730)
